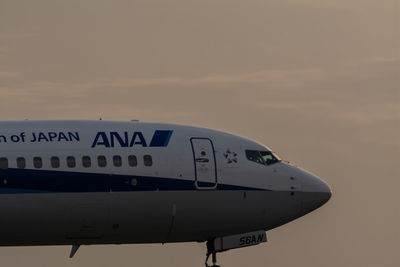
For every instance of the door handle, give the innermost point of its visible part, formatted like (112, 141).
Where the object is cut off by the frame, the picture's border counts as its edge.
(202, 160)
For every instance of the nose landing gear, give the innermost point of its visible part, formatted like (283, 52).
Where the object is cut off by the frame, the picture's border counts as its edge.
(221, 244)
(211, 252)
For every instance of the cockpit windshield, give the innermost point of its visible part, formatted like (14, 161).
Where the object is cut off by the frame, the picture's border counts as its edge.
(262, 157)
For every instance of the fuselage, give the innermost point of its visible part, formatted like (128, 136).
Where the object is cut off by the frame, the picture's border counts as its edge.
(100, 182)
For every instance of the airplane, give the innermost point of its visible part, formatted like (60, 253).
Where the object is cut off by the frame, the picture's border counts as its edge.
(111, 182)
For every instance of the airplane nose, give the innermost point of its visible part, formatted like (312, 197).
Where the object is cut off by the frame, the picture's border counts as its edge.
(315, 193)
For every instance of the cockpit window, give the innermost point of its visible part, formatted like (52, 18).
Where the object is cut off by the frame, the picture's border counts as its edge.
(255, 156)
(269, 157)
(262, 157)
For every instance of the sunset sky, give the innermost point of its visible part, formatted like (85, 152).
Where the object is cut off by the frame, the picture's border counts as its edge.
(318, 81)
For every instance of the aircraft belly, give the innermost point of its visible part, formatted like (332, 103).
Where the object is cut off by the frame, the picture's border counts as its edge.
(44, 219)
(139, 217)
(210, 214)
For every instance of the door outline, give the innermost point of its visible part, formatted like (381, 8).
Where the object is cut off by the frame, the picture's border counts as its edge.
(195, 166)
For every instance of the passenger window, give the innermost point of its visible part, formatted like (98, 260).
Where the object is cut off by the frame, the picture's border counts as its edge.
(148, 160)
(71, 163)
(37, 162)
(102, 161)
(55, 162)
(86, 162)
(132, 161)
(21, 163)
(117, 161)
(3, 163)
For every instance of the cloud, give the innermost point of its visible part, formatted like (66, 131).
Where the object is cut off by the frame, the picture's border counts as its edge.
(270, 77)
(384, 60)
(8, 74)
(389, 112)
(172, 98)
(15, 35)
(352, 93)
(131, 82)
(3, 50)
(317, 104)
(274, 77)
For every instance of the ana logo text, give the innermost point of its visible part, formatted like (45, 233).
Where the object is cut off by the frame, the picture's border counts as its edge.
(129, 139)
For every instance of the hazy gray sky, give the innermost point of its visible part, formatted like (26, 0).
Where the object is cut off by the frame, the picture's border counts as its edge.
(316, 80)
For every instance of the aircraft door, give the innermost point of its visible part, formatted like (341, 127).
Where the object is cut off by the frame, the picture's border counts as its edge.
(204, 163)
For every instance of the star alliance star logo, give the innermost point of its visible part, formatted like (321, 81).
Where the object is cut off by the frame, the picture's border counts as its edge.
(230, 156)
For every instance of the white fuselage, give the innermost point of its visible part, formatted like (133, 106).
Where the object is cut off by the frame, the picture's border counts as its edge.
(99, 182)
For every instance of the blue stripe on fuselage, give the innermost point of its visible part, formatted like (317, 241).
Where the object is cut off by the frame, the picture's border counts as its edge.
(160, 138)
(20, 181)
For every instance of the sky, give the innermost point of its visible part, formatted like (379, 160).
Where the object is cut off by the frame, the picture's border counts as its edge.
(318, 81)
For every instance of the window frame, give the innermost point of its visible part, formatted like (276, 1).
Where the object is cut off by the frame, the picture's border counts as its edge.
(132, 161)
(4, 160)
(22, 160)
(86, 162)
(102, 161)
(55, 162)
(37, 162)
(149, 161)
(73, 161)
(117, 159)
(261, 158)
